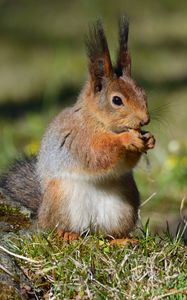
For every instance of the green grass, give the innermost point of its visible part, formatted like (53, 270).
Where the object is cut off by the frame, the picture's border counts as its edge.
(91, 268)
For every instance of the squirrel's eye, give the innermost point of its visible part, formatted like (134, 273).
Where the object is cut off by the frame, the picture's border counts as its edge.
(117, 100)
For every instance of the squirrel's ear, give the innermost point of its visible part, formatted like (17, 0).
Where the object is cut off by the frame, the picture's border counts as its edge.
(100, 65)
(123, 60)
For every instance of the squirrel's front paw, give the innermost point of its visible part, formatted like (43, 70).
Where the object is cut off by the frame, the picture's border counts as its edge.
(132, 141)
(149, 140)
(137, 141)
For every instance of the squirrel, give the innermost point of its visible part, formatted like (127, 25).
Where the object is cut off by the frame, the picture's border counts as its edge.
(82, 177)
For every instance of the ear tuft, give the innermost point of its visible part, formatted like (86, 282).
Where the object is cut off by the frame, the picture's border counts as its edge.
(100, 65)
(123, 60)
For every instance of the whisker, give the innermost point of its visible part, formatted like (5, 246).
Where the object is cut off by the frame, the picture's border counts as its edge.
(161, 108)
(162, 116)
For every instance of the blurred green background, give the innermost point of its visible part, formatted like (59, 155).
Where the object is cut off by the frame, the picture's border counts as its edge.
(43, 66)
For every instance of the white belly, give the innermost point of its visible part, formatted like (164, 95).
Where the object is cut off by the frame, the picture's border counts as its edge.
(95, 206)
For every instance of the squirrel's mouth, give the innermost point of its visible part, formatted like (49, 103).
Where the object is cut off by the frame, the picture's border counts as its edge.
(125, 129)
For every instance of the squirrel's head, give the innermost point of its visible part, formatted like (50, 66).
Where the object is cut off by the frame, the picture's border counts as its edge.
(114, 97)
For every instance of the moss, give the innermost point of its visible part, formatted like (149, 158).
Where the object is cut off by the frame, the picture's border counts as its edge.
(8, 292)
(14, 218)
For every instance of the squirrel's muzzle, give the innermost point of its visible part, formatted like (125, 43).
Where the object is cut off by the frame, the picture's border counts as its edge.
(145, 121)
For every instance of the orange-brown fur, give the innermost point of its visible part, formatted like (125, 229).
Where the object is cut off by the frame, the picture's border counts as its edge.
(49, 210)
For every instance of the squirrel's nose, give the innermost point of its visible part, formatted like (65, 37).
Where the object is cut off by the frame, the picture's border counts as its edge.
(145, 121)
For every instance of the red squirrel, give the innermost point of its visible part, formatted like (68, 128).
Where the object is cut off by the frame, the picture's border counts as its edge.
(82, 177)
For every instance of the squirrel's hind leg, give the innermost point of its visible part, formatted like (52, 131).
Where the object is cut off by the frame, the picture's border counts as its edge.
(53, 210)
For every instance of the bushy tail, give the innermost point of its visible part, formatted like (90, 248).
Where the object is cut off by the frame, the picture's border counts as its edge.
(21, 184)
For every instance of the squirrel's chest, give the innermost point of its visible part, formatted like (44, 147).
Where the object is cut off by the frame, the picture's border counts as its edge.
(92, 206)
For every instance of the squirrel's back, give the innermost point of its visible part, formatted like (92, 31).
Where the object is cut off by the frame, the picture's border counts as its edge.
(21, 184)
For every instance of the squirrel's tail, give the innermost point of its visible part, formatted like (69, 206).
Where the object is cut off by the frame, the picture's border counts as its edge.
(21, 184)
